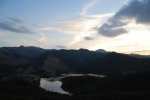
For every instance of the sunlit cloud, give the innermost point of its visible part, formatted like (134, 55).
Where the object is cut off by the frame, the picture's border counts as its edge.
(81, 27)
(137, 10)
(84, 27)
(121, 35)
(124, 43)
(87, 7)
(77, 26)
(69, 26)
(42, 40)
(113, 25)
(142, 52)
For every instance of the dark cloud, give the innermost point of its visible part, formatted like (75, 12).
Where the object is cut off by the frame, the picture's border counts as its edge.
(112, 29)
(60, 47)
(16, 20)
(88, 38)
(15, 27)
(137, 10)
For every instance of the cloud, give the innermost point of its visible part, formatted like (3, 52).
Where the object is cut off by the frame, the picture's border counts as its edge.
(68, 26)
(88, 6)
(137, 10)
(111, 30)
(43, 40)
(82, 24)
(142, 52)
(15, 26)
(76, 26)
(60, 47)
(88, 38)
(80, 27)
(16, 20)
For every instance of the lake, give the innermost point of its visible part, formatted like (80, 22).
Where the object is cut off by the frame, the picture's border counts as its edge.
(54, 84)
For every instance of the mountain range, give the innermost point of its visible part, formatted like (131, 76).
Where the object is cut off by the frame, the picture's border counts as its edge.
(51, 62)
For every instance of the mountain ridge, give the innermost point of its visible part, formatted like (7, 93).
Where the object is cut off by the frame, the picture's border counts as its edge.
(46, 62)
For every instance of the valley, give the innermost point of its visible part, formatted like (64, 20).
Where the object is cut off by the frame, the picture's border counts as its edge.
(94, 75)
(74, 50)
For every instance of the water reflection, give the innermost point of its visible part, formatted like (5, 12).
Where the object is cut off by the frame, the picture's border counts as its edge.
(54, 86)
(54, 83)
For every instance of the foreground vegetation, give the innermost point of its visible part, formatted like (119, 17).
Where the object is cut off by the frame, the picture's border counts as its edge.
(25, 90)
(28, 62)
(128, 87)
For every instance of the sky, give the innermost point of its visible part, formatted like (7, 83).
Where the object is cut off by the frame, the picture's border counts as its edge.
(114, 25)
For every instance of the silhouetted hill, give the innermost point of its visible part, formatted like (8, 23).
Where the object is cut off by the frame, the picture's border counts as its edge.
(37, 60)
(133, 86)
(8, 63)
(115, 63)
(139, 56)
(124, 81)
(77, 58)
(25, 54)
(8, 58)
(101, 51)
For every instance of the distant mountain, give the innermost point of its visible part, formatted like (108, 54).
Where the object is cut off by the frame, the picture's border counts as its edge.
(34, 60)
(139, 56)
(128, 75)
(18, 60)
(101, 51)
(8, 59)
(8, 63)
(77, 58)
(115, 63)
(25, 54)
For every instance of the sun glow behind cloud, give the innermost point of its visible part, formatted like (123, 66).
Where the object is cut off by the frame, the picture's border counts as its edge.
(136, 39)
(85, 33)
(82, 27)
(93, 25)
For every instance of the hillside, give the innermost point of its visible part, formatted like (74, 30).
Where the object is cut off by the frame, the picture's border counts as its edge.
(127, 76)
(8, 63)
(115, 63)
(38, 61)
(77, 58)
(25, 54)
(125, 87)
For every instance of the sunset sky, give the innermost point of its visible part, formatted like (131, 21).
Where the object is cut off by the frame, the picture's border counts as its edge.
(113, 25)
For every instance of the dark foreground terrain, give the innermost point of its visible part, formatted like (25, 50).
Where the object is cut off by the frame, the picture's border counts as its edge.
(21, 69)
(24, 90)
(128, 87)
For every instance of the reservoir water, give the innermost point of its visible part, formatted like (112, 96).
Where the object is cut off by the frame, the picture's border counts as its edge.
(54, 84)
